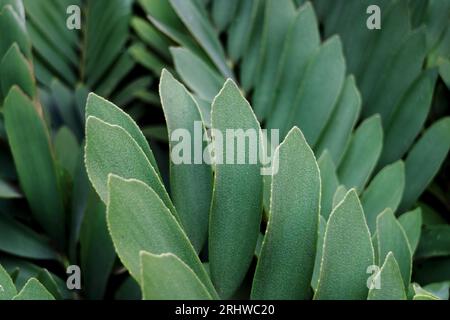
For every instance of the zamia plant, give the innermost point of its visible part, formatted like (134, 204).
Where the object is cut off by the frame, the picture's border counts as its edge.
(273, 50)
(303, 253)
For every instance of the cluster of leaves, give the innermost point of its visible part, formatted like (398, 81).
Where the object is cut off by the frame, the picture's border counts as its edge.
(158, 238)
(360, 98)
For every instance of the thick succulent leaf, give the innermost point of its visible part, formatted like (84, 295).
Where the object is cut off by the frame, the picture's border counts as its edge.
(167, 277)
(34, 290)
(390, 281)
(10, 20)
(105, 37)
(223, 12)
(34, 162)
(191, 183)
(329, 182)
(392, 238)
(111, 149)
(236, 207)
(344, 265)
(49, 282)
(408, 118)
(399, 73)
(146, 58)
(295, 56)
(325, 73)
(435, 242)
(204, 33)
(97, 253)
(278, 16)
(19, 240)
(98, 107)
(384, 191)
(7, 287)
(16, 70)
(151, 36)
(337, 133)
(412, 224)
(139, 221)
(424, 160)
(241, 28)
(286, 262)
(362, 154)
(199, 76)
(339, 195)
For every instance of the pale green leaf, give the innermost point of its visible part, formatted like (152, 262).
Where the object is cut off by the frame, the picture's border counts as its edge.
(392, 238)
(286, 262)
(167, 277)
(384, 191)
(390, 282)
(344, 264)
(34, 290)
(139, 221)
(191, 182)
(236, 207)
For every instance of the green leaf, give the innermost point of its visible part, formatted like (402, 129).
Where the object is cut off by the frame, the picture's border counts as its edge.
(344, 264)
(197, 75)
(48, 281)
(424, 160)
(151, 36)
(325, 73)
(339, 195)
(34, 290)
(330, 183)
(111, 149)
(278, 16)
(435, 242)
(139, 221)
(191, 183)
(11, 21)
(103, 109)
(203, 32)
(34, 162)
(97, 253)
(167, 277)
(384, 191)
(234, 225)
(16, 70)
(146, 58)
(362, 154)
(242, 28)
(408, 118)
(295, 56)
(411, 222)
(7, 287)
(392, 238)
(286, 262)
(19, 240)
(390, 281)
(336, 135)
(223, 12)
